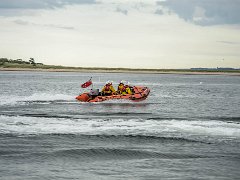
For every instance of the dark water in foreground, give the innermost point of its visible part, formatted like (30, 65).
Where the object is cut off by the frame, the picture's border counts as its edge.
(188, 128)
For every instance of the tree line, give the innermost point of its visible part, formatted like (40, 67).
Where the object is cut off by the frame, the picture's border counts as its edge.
(19, 61)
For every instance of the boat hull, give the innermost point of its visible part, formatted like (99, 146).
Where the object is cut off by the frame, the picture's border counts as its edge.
(141, 93)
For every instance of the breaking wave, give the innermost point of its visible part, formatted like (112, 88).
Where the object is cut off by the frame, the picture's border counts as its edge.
(194, 130)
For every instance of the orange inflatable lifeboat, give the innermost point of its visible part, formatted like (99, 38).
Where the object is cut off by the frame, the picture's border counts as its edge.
(140, 94)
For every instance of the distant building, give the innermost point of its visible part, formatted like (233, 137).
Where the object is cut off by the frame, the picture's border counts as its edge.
(218, 68)
(203, 68)
(225, 68)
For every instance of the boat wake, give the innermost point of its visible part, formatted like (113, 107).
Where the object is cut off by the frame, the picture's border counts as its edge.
(39, 98)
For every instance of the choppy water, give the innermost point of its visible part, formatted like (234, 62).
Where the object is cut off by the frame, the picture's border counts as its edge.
(188, 128)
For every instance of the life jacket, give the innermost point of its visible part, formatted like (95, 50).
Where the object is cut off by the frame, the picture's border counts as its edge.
(120, 87)
(107, 88)
(126, 90)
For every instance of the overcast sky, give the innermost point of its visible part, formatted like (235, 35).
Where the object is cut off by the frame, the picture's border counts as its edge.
(122, 33)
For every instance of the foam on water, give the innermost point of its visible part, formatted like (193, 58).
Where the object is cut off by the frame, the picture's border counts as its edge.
(12, 100)
(107, 126)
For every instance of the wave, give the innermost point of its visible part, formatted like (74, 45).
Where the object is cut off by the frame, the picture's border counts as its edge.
(224, 118)
(99, 153)
(37, 98)
(192, 130)
(76, 116)
(109, 153)
(130, 137)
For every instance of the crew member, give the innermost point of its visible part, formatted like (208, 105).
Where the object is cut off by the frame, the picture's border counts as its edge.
(127, 89)
(108, 89)
(121, 87)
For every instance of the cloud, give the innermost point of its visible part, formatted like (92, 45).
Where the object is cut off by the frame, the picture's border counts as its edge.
(25, 23)
(30, 7)
(123, 11)
(40, 4)
(205, 12)
(159, 11)
(97, 35)
(21, 22)
(229, 42)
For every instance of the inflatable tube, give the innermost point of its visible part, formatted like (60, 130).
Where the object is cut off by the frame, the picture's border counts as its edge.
(140, 94)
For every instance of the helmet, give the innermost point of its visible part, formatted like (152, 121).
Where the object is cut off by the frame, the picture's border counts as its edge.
(127, 84)
(121, 82)
(109, 82)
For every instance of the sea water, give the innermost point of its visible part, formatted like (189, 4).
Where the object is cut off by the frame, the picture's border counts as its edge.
(188, 128)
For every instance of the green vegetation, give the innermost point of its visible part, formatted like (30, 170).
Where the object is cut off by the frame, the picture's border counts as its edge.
(18, 63)
(31, 64)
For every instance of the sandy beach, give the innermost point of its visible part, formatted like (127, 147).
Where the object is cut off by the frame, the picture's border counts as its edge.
(124, 71)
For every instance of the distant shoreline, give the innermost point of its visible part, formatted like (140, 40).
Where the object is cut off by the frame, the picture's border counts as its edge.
(135, 71)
